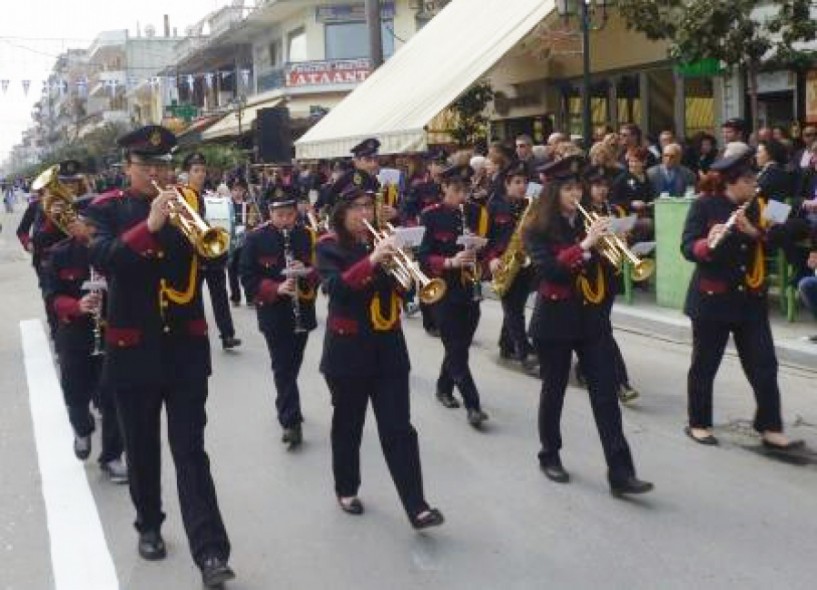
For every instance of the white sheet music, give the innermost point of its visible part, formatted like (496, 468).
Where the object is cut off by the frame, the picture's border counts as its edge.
(390, 176)
(776, 212)
(472, 242)
(643, 248)
(622, 225)
(409, 237)
(534, 190)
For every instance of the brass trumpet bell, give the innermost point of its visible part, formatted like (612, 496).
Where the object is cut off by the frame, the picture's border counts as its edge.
(642, 270)
(56, 192)
(432, 291)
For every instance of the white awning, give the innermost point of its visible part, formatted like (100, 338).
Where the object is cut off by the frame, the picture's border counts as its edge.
(228, 126)
(438, 64)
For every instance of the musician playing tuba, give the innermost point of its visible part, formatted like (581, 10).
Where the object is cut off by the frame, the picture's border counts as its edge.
(158, 351)
(572, 315)
(277, 271)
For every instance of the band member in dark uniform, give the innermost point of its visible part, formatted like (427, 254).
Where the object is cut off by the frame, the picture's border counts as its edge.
(273, 248)
(78, 343)
(505, 212)
(725, 239)
(365, 355)
(158, 352)
(214, 272)
(571, 315)
(241, 210)
(457, 313)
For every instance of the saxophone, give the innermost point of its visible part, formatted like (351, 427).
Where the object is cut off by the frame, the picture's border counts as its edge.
(514, 258)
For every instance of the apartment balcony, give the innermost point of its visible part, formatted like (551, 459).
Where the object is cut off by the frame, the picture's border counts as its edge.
(107, 44)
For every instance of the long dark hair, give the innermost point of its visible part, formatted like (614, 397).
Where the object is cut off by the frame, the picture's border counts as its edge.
(546, 211)
(337, 220)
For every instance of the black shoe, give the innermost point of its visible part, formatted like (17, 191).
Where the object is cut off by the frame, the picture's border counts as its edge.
(476, 417)
(448, 400)
(215, 571)
(152, 546)
(555, 472)
(82, 447)
(792, 446)
(505, 354)
(708, 440)
(530, 364)
(235, 302)
(629, 486)
(626, 393)
(432, 518)
(433, 332)
(293, 436)
(353, 506)
(230, 342)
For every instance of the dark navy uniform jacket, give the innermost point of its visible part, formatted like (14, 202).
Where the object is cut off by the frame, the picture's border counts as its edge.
(504, 214)
(70, 267)
(719, 289)
(262, 262)
(418, 198)
(563, 311)
(35, 228)
(151, 339)
(444, 225)
(354, 344)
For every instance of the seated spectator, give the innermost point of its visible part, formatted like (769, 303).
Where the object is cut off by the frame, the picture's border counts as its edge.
(773, 181)
(670, 176)
(633, 193)
(630, 137)
(702, 153)
(604, 160)
(807, 288)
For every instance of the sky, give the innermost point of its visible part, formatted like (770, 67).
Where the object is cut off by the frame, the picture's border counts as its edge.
(34, 32)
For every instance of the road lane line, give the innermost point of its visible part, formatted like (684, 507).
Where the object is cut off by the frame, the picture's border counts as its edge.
(79, 553)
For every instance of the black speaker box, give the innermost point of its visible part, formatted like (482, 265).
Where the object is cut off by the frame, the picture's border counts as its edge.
(274, 135)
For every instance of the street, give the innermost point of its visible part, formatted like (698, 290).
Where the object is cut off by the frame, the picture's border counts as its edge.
(725, 517)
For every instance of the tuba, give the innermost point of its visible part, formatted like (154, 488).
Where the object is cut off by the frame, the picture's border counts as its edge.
(56, 192)
(514, 258)
(209, 242)
(615, 250)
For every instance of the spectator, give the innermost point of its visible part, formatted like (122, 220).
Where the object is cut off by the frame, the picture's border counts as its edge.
(733, 129)
(630, 138)
(703, 153)
(633, 193)
(773, 181)
(665, 138)
(603, 159)
(807, 287)
(600, 132)
(670, 176)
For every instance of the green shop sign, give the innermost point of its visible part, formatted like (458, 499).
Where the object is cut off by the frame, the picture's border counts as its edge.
(705, 68)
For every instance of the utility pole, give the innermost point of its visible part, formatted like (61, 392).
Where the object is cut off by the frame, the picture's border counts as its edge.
(375, 33)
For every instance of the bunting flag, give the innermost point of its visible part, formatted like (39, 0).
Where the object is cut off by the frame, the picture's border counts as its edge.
(245, 76)
(208, 79)
(191, 81)
(26, 86)
(113, 85)
(82, 86)
(155, 82)
(4, 84)
(133, 82)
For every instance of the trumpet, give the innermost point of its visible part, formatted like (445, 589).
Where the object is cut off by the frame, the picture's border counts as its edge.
(473, 272)
(56, 192)
(209, 242)
(616, 251)
(407, 272)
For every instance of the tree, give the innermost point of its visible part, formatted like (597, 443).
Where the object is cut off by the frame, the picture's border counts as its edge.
(733, 32)
(471, 122)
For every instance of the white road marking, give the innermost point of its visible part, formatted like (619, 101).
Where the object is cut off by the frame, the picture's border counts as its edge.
(79, 553)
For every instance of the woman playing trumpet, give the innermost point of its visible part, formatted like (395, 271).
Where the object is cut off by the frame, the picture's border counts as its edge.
(365, 354)
(571, 314)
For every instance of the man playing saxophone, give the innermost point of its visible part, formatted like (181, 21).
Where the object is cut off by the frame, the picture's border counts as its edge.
(158, 352)
(274, 255)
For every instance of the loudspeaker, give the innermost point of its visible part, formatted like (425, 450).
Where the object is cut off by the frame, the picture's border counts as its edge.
(274, 135)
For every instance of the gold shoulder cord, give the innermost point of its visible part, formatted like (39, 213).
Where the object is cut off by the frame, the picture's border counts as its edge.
(380, 323)
(166, 291)
(756, 277)
(592, 296)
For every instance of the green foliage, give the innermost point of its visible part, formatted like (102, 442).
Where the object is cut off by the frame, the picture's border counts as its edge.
(471, 122)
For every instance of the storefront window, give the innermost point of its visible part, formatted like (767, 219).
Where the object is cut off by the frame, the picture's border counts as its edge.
(700, 106)
(350, 40)
(296, 46)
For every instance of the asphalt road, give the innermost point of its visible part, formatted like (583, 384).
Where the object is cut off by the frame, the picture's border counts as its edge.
(725, 517)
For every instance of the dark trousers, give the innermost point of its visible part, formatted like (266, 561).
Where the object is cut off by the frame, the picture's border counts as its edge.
(286, 350)
(79, 377)
(457, 323)
(753, 340)
(429, 323)
(233, 275)
(140, 410)
(595, 355)
(390, 401)
(619, 366)
(217, 285)
(512, 338)
(50, 314)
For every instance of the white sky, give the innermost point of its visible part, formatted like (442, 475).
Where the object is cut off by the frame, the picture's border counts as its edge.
(34, 32)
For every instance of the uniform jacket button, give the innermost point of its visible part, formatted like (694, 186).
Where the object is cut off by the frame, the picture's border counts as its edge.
(167, 329)
(121, 342)
(710, 293)
(160, 254)
(740, 287)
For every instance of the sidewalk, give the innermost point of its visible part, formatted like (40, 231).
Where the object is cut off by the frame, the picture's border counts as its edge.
(646, 318)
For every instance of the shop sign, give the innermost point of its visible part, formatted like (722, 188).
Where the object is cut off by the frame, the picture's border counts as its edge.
(339, 13)
(328, 73)
(780, 81)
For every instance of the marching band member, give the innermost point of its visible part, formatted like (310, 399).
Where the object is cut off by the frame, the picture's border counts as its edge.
(157, 351)
(214, 272)
(725, 238)
(365, 355)
(571, 315)
(457, 314)
(240, 208)
(505, 211)
(75, 342)
(285, 305)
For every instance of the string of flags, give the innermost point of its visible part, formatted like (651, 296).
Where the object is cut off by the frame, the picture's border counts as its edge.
(113, 84)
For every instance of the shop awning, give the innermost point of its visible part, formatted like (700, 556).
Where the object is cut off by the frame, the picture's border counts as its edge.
(228, 126)
(438, 64)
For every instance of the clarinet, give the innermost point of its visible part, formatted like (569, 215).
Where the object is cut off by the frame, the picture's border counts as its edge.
(98, 289)
(289, 260)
